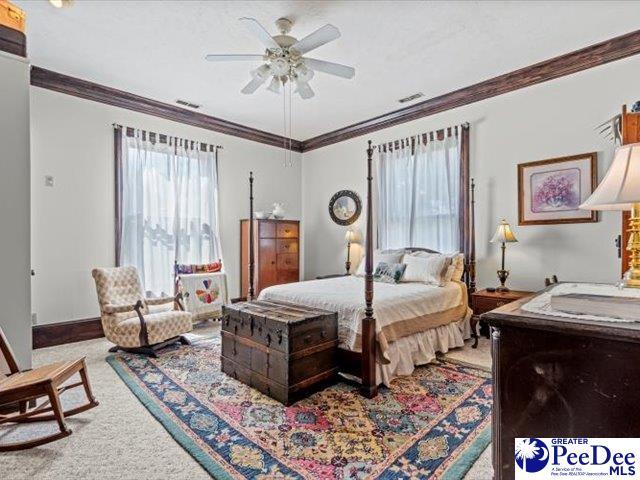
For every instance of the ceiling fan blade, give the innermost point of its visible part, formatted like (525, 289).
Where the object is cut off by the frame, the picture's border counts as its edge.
(235, 58)
(304, 90)
(260, 32)
(316, 39)
(330, 68)
(253, 85)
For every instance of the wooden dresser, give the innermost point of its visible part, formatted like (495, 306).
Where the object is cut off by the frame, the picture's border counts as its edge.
(560, 377)
(283, 350)
(277, 253)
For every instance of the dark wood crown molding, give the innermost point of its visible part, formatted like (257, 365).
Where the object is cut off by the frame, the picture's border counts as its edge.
(59, 82)
(13, 41)
(576, 61)
(595, 55)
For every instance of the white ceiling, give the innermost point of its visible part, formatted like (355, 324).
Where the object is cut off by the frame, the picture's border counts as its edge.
(156, 49)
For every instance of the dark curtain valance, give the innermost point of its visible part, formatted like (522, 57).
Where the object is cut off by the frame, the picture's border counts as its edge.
(424, 137)
(162, 138)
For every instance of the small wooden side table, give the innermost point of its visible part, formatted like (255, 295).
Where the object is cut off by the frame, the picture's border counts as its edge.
(484, 301)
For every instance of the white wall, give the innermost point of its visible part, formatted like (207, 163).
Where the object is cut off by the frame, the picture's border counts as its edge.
(73, 221)
(549, 120)
(15, 318)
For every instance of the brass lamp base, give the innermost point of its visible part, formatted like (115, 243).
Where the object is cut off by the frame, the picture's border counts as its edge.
(502, 276)
(631, 277)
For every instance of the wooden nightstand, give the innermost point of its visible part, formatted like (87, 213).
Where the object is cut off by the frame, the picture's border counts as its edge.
(484, 301)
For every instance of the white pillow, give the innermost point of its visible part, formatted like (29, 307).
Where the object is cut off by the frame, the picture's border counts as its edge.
(389, 257)
(428, 268)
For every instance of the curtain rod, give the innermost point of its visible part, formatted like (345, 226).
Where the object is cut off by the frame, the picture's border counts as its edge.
(426, 137)
(162, 135)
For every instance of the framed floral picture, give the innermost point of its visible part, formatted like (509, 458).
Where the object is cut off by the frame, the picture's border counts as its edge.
(550, 191)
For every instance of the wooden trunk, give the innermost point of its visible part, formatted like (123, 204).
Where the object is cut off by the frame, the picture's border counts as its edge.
(283, 350)
(276, 247)
(560, 377)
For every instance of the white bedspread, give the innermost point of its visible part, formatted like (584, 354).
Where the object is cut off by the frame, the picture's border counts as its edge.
(391, 302)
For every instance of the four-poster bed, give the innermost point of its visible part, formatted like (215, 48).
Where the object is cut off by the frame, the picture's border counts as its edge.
(371, 344)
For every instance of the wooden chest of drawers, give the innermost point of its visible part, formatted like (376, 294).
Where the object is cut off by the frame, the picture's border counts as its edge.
(276, 253)
(560, 377)
(283, 350)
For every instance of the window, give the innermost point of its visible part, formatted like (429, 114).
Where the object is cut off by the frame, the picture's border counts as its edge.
(167, 205)
(418, 201)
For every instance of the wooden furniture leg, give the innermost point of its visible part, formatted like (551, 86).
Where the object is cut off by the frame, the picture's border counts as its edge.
(54, 398)
(474, 331)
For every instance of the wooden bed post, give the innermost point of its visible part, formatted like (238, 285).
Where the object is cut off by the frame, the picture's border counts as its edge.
(467, 212)
(251, 292)
(369, 386)
(471, 269)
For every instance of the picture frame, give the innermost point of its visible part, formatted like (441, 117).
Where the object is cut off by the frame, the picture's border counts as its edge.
(550, 191)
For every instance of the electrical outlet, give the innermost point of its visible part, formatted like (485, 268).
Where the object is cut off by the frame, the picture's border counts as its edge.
(48, 180)
(34, 319)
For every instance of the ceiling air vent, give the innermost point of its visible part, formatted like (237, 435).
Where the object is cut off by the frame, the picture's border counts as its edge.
(184, 103)
(411, 97)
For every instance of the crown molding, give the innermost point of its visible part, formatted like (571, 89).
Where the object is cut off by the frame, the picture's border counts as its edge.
(41, 77)
(595, 55)
(13, 41)
(592, 56)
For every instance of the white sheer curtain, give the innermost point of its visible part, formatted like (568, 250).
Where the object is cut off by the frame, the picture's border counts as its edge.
(169, 208)
(418, 194)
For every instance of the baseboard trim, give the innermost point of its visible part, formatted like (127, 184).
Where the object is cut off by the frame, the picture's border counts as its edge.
(52, 334)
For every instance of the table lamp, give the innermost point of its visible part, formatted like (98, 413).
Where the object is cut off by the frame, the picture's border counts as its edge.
(503, 235)
(350, 237)
(620, 190)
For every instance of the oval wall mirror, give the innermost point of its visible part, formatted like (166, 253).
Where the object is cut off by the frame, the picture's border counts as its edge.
(345, 207)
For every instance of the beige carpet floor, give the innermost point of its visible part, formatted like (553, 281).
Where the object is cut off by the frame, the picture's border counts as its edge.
(121, 440)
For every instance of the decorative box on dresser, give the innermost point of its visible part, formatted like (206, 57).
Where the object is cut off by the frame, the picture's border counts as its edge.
(484, 301)
(560, 377)
(277, 246)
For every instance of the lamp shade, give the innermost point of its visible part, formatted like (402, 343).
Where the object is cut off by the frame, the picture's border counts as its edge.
(350, 236)
(621, 185)
(504, 234)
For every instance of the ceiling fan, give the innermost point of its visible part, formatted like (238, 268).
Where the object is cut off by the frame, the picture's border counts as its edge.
(284, 58)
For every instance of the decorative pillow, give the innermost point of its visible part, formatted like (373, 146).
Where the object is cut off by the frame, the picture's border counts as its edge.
(458, 266)
(426, 267)
(389, 257)
(389, 273)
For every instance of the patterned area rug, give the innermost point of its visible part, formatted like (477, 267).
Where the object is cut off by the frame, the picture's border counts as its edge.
(433, 424)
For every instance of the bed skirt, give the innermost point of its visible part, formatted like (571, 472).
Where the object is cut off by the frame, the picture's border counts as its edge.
(421, 348)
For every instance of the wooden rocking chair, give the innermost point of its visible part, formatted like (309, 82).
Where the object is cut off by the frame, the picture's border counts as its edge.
(19, 388)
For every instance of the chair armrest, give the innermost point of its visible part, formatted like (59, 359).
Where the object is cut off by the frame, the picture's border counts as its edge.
(110, 308)
(160, 300)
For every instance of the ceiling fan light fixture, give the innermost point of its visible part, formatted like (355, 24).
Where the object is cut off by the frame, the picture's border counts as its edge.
(280, 67)
(304, 74)
(60, 3)
(274, 86)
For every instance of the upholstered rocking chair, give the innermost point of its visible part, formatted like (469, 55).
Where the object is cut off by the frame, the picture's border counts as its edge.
(126, 318)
